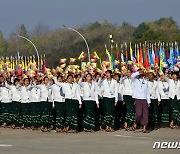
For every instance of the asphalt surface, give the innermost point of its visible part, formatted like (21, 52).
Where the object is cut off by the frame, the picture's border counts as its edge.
(101, 142)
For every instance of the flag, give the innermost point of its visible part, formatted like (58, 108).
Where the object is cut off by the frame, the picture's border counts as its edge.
(117, 52)
(171, 57)
(112, 58)
(80, 56)
(131, 53)
(72, 60)
(156, 55)
(141, 56)
(96, 55)
(146, 62)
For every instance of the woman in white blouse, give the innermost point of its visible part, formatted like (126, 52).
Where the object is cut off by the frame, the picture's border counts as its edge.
(46, 104)
(128, 101)
(109, 90)
(163, 90)
(6, 106)
(25, 103)
(174, 95)
(72, 104)
(90, 101)
(59, 102)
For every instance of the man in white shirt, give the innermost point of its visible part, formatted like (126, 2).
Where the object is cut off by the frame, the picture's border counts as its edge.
(142, 98)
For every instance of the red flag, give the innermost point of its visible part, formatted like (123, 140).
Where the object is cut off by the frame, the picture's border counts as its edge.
(117, 53)
(146, 62)
(156, 55)
(141, 56)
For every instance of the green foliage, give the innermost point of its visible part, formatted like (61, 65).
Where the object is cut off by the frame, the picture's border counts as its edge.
(63, 43)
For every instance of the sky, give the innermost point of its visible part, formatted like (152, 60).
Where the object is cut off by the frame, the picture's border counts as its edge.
(72, 13)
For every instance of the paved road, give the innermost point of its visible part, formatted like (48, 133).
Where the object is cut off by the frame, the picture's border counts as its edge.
(119, 142)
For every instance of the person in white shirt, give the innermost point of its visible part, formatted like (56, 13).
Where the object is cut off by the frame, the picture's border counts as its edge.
(35, 106)
(140, 92)
(119, 108)
(72, 104)
(174, 95)
(46, 104)
(110, 99)
(128, 101)
(154, 96)
(59, 102)
(99, 111)
(163, 90)
(25, 103)
(90, 102)
(6, 106)
(16, 102)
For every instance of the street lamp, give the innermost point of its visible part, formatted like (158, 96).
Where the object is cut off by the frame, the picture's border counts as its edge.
(33, 46)
(83, 39)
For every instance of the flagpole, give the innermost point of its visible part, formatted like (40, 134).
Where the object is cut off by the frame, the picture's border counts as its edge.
(83, 39)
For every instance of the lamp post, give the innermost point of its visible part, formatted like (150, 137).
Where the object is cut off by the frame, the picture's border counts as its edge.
(33, 46)
(83, 39)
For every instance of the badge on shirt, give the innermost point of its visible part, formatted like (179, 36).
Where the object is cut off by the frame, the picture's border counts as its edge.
(111, 92)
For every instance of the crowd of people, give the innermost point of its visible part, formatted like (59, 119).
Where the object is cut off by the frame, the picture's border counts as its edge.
(91, 101)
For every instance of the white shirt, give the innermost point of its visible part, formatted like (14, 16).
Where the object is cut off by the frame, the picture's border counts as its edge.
(57, 93)
(45, 92)
(110, 89)
(89, 91)
(174, 88)
(140, 88)
(120, 91)
(163, 90)
(15, 92)
(99, 83)
(25, 94)
(35, 94)
(153, 90)
(5, 95)
(71, 91)
(127, 86)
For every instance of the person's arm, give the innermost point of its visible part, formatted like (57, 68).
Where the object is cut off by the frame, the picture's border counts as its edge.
(116, 92)
(96, 94)
(148, 95)
(134, 75)
(80, 82)
(78, 94)
(166, 78)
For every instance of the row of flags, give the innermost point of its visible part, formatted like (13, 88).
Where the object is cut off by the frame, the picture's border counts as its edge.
(146, 55)
(21, 64)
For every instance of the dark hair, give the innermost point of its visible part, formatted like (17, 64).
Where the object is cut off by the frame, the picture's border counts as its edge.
(177, 73)
(97, 73)
(76, 76)
(27, 79)
(89, 74)
(117, 75)
(69, 76)
(130, 70)
(45, 78)
(16, 80)
(59, 76)
(53, 81)
(109, 71)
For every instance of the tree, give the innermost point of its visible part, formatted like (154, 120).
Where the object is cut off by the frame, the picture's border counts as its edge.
(23, 31)
(40, 30)
(3, 44)
(140, 30)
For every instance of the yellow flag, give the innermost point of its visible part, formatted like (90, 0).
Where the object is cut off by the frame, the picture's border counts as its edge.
(95, 53)
(80, 56)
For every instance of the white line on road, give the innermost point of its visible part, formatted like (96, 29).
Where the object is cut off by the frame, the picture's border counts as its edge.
(130, 136)
(5, 145)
